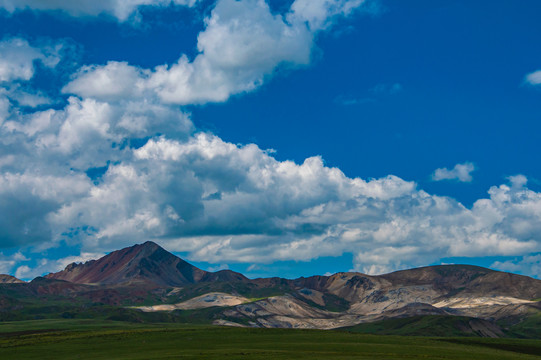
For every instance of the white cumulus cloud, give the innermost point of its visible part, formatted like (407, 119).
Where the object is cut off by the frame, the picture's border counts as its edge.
(113, 81)
(17, 59)
(461, 172)
(243, 43)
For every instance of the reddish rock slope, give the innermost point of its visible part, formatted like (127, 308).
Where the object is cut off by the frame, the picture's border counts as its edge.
(146, 263)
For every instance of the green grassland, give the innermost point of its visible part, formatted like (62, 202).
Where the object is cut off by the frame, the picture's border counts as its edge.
(529, 327)
(431, 325)
(439, 325)
(91, 339)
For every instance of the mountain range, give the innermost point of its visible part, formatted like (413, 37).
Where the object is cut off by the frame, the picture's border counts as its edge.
(147, 283)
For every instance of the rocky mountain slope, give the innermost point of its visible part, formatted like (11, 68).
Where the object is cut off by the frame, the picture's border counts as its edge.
(146, 280)
(147, 264)
(8, 279)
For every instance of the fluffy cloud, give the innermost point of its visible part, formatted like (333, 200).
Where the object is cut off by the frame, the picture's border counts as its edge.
(88, 133)
(45, 154)
(534, 78)
(530, 265)
(120, 9)
(226, 203)
(113, 81)
(19, 61)
(7, 262)
(17, 58)
(318, 14)
(243, 43)
(27, 199)
(461, 172)
(409, 228)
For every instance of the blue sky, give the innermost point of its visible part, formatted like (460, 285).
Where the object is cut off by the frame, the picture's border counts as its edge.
(278, 138)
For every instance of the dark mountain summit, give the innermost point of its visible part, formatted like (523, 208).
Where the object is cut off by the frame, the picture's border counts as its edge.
(146, 263)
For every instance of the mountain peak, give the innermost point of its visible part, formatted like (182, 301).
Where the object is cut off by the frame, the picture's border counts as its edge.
(148, 245)
(146, 263)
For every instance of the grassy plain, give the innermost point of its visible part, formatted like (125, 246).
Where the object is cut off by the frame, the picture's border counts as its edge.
(88, 339)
